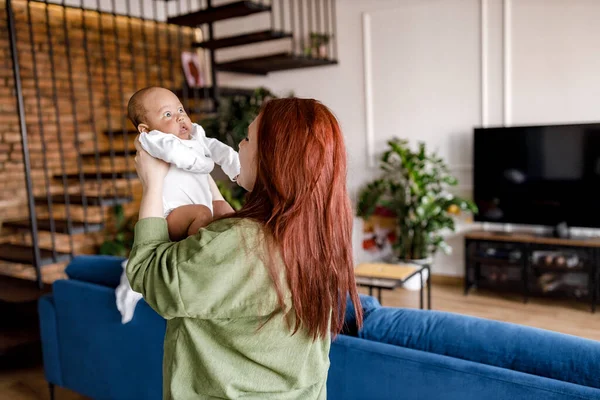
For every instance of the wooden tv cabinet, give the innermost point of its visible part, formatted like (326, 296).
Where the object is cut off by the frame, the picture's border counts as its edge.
(533, 265)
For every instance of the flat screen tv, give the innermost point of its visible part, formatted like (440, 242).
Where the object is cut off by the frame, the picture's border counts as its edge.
(538, 175)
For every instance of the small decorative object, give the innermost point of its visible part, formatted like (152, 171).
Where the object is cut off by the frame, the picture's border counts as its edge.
(414, 189)
(194, 74)
(318, 45)
(379, 234)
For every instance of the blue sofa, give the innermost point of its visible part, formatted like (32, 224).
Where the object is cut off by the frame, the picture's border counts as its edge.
(399, 353)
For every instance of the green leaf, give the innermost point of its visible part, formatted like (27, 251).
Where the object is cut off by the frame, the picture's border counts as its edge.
(450, 180)
(445, 247)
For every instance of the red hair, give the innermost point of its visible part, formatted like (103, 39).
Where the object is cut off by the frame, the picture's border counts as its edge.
(301, 199)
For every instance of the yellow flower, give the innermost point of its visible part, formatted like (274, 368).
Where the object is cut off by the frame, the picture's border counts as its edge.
(453, 209)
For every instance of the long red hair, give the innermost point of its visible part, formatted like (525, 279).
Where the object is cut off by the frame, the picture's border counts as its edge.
(300, 196)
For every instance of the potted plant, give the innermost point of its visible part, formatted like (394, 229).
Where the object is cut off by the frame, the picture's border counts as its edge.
(317, 45)
(414, 187)
(119, 241)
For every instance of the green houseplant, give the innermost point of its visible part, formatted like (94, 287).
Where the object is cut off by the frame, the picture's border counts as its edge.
(230, 126)
(317, 45)
(414, 187)
(119, 241)
(236, 113)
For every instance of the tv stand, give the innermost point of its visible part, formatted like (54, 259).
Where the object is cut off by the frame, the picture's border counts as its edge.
(561, 230)
(533, 265)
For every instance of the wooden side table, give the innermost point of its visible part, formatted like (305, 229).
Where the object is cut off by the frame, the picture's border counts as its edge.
(391, 276)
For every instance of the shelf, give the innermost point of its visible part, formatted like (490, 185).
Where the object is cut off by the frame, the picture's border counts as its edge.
(91, 200)
(207, 93)
(514, 287)
(227, 11)
(22, 254)
(239, 40)
(107, 153)
(119, 133)
(275, 62)
(496, 261)
(561, 292)
(528, 238)
(560, 270)
(60, 226)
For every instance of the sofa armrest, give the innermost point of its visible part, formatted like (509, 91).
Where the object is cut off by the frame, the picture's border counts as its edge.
(368, 305)
(101, 270)
(49, 336)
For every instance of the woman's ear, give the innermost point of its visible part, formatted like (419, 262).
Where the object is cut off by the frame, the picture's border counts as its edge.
(142, 128)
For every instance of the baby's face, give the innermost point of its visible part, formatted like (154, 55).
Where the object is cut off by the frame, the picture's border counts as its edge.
(164, 112)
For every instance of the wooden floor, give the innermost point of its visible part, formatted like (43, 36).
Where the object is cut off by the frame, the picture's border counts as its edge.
(29, 384)
(566, 317)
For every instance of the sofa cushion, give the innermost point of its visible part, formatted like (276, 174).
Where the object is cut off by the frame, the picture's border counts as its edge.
(530, 350)
(101, 270)
(368, 304)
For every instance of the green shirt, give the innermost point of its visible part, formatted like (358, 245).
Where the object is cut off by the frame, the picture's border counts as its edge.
(227, 336)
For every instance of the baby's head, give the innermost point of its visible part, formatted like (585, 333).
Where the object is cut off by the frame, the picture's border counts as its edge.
(156, 108)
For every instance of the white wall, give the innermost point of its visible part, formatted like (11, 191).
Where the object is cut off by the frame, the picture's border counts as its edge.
(437, 69)
(432, 70)
(441, 67)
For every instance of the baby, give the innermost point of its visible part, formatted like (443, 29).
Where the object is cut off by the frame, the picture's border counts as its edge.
(191, 198)
(166, 132)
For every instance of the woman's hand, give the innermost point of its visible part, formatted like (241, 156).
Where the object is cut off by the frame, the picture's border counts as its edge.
(150, 170)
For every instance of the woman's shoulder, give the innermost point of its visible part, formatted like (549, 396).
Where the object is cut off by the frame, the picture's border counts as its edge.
(234, 228)
(236, 224)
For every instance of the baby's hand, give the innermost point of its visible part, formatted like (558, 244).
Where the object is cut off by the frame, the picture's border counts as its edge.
(150, 170)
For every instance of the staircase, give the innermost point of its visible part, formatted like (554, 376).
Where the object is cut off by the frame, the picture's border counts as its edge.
(297, 21)
(103, 175)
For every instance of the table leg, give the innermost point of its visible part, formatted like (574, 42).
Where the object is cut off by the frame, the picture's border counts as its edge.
(467, 267)
(370, 290)
(379, 296)
(422, 289)
(428, 288)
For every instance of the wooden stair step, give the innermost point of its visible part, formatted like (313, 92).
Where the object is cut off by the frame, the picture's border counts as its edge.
(239, 40)
(108, 153)
(88, 175)
(117, 134)
(60, 226)
(207, 92)
(262, 65)
(22, 254)
(219, 13)
(91, 200)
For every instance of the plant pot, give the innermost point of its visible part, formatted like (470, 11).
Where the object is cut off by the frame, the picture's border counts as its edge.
(323, 51)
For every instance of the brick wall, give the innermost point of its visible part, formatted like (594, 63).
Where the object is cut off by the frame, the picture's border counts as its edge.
(149, 54)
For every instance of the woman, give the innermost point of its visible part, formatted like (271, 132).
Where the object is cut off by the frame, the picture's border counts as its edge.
(253, 299)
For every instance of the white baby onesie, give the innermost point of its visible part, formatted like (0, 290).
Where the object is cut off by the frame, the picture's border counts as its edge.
(186, 183)
(191, 162)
